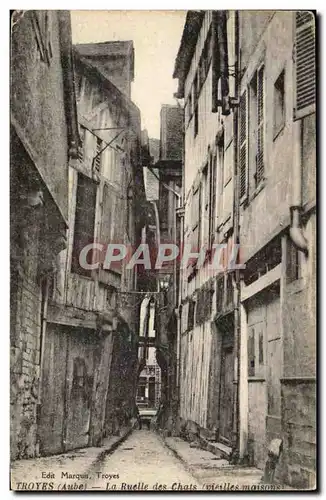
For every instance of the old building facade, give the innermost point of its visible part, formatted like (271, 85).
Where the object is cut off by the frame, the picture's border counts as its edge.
(247, 336)
(169, 169)
(206, 296)
(77, 174)
(278, 237)
(92, 317)
(43, 116)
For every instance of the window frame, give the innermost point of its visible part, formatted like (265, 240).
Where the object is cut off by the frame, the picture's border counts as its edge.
(277, 129)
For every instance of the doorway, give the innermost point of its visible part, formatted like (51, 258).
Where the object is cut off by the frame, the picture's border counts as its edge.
(226, 383)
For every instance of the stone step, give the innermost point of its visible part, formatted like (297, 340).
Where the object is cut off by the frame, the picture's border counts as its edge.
(219, 449)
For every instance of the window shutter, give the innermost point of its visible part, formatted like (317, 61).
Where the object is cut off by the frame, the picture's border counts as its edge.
(98, 150)
(212, 216)
(243, 174)
(261, 126)
(305, 64)
(82, 133)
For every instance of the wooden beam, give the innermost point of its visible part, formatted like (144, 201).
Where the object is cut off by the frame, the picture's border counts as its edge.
(257, 286)
(71, 316)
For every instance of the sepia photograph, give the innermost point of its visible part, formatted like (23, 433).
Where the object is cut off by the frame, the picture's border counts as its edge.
(163, 241)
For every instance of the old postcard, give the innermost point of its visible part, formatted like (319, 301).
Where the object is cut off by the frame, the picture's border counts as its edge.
(163, 250)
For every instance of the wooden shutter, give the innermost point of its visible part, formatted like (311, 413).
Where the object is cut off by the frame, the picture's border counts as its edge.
(82, 133)
(212, 217)
(243, 163)
(260, 126)
(305, 64)
(98, 150)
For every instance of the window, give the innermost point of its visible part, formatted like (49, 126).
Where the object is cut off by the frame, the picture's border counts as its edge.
(206, 199)
(279, 104)
(84, 221)
(305, 64)
(220, 148)
(141, 390)
(191, 315)
(97, 161)
(205, 60)
(196, 120)
(196, 95)
(188, 109)
(212, 208)
(252, 159)
(263, 261)
(259, 174)
(195, 218)
(82, 134)
(220, 294)
(243, 167)
(256, 348)
(293, 262)
(251, 353)
(227, 164)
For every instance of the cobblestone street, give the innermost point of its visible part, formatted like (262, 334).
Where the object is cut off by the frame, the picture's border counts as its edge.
(143, 461)
(127, 468)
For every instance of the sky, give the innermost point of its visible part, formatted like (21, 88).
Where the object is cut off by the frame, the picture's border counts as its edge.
(156, 36)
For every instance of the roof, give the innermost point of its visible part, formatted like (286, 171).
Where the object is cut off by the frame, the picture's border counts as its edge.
(110, 50)
(193, 24)
(112, 91)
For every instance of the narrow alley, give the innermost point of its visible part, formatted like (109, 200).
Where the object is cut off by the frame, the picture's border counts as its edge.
(143, 461)
(163, 250)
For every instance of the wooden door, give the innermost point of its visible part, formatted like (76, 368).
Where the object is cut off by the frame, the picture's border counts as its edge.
(226, 392)
(51, 417)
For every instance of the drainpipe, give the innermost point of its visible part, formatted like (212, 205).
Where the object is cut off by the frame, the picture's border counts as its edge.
(296, 232)
(236, 281)
(180, 213)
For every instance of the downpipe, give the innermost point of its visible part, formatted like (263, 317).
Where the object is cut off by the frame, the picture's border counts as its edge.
(296, 232)
(235, 457)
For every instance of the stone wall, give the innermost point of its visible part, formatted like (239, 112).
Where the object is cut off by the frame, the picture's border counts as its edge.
(299, 433)
(25, 348)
